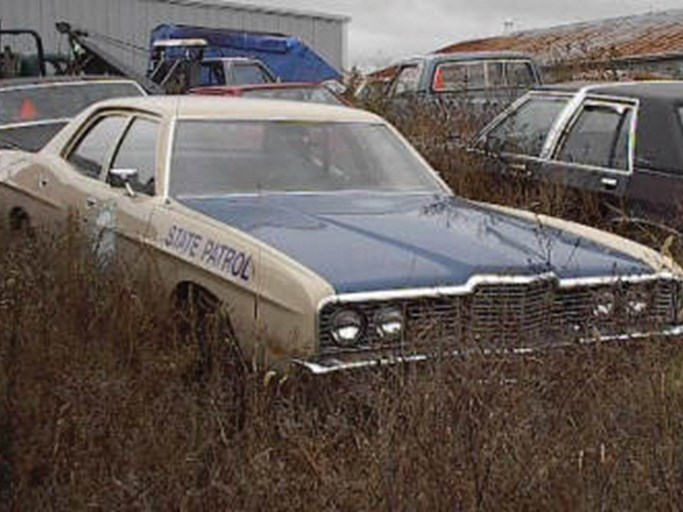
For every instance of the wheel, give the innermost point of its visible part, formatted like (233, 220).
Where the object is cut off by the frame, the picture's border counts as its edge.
(19, 221)
(218, 370)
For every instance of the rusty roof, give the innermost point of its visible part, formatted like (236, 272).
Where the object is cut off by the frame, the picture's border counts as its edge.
(652, 34)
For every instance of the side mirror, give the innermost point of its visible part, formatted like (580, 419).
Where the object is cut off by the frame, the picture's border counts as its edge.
(122, 178)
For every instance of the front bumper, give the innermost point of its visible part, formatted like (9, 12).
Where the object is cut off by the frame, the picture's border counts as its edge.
(326, 365)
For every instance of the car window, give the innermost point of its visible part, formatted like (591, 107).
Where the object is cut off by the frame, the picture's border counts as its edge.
(407, 80)
(228, 157)
(600, 137)
(459, 76)
(519, 74)
(308, 94)
(138, 152)
(212, 73)
(89, 156)
(31, 104)
(525, 129)
(244, 74)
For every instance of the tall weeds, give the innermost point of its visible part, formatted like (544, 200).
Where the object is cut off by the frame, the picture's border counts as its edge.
(99, 409)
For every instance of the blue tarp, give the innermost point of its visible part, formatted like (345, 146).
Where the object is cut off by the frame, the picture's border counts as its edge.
(287, 57)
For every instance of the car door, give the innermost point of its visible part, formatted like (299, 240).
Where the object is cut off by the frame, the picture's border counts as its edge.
(404, 88)
(517, 139)
(595, 150)
(112, 211)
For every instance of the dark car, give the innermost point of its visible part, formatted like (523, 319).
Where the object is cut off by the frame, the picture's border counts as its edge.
(309, 92)
(33, 110)
(623, 140)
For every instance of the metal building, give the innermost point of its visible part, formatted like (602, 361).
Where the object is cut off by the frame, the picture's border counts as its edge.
(125, 25)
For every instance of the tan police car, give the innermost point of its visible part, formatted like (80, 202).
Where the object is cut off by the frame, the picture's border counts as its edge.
(330, 241)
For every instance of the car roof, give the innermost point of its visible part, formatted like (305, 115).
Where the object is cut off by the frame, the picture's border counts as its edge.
(215, 107)
(250, 87)
(463, 56)
(652, 90)
(57, 80)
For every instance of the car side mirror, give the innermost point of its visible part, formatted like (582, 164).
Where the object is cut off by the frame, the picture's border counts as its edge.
(122, 178)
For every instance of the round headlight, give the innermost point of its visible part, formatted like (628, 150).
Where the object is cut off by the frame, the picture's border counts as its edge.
(347, 327)
(390, 323)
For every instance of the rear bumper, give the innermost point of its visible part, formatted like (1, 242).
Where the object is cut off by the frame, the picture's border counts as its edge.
(374, 360)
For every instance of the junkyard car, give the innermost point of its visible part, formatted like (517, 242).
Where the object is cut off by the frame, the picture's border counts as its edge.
(33, 110)
(329, 239)
(622, 140)
(491, 77)
(291, 91)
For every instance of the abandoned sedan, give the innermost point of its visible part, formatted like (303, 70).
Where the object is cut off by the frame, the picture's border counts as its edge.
(328, 239)
(33, 110)
(623, 140)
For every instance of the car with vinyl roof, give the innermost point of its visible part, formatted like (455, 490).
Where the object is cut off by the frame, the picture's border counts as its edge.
(622, 140)
(327, 239)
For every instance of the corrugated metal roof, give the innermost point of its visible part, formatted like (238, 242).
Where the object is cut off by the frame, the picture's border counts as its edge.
(659, 33)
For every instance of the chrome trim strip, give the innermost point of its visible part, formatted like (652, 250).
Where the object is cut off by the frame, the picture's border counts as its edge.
(332, 365)
(29, 124)
(70, 83)
(479, 280)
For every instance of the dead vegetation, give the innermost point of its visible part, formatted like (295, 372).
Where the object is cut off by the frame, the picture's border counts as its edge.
(101, 407)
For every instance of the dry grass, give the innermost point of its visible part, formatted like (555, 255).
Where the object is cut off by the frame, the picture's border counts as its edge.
(99, 409)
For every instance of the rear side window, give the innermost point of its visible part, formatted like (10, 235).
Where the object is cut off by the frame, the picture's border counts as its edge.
(487, 74)
(526, 128)
(138, 152)
(459, 76)
(600, 137)
(89, 157)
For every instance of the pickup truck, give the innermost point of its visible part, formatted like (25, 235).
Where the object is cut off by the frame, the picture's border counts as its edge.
(464, 90)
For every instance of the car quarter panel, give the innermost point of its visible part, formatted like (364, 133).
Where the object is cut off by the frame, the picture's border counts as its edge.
(271, 300)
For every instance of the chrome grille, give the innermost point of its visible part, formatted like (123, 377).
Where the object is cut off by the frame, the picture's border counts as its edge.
(504, 315)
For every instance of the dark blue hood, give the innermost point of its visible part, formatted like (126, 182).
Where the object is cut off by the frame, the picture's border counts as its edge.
(362, 242)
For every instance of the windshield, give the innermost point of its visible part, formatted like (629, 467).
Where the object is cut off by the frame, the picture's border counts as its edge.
(310, 94)
(227, 157)
(31, 104)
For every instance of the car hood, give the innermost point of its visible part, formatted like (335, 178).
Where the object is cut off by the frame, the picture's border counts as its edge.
(372, 242)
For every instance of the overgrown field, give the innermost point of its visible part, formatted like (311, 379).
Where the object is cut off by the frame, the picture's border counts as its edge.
(101, 407)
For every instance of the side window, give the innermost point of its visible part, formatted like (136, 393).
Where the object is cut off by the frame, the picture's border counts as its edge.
(138, 152)
(600, 137)
(526, 128)
(519, 74)
(90, 154)
(459, 76)
(407, 80)
(212, 73)
(245, 74)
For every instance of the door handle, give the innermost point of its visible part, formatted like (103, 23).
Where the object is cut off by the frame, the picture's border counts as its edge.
(609, 183)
